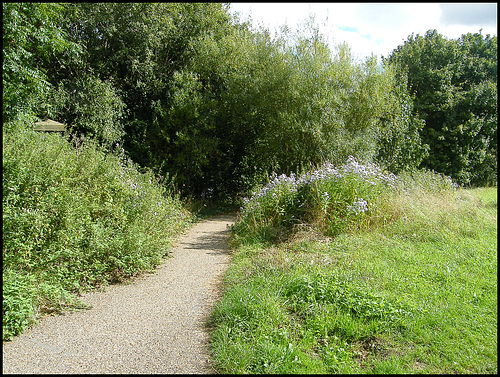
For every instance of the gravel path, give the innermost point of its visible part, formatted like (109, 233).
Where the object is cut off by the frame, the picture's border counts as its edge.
(153, 325)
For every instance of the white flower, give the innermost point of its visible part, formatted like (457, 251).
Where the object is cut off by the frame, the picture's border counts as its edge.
(358, 206)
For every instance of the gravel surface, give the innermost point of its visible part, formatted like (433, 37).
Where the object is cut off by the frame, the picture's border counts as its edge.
(155, 324)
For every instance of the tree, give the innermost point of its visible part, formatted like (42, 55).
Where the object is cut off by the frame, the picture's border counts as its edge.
(400, 147)
(31, 34)
(454, 85)
(89, 107)
(207, 100)
(140, 48)
(45, 75)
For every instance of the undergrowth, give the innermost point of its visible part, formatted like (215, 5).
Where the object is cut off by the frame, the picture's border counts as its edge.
(74, 219)
(331, 199)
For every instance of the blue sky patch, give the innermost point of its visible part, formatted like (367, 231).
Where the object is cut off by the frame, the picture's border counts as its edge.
(348, 28)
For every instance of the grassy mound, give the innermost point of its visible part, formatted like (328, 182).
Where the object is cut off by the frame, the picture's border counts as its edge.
(404, 281)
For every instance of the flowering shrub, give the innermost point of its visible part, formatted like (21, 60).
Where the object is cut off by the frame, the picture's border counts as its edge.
(331, 198)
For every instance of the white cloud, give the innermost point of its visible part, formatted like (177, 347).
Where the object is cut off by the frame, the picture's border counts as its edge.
(382, 16)
(372, 27)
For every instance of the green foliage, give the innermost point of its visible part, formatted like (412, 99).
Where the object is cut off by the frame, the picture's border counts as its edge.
(257, 105)
(31, 33)
(90, 108)
(334, 199)
(44, 78)
(454, 84)
(75, 219)
(143, 49)
(26, 297)
(18, 312)
(400, 146)
(204, 99)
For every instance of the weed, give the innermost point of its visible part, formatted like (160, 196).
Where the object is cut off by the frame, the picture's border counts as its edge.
(76, 220)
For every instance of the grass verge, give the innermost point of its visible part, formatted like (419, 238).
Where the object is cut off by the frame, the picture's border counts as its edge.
(416, 295)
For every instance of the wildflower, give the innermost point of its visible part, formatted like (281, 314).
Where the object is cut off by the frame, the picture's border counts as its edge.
(358, 206)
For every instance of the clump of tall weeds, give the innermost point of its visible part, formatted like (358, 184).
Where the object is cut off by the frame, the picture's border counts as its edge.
(75, 219)
(332, 199)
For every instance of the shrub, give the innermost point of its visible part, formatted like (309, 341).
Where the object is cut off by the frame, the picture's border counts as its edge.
(332, 199)
(75, 219)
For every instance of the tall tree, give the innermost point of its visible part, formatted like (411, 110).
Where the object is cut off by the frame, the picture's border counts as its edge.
(454, 84)
(141, 47)
(204, 98)
(31, 35)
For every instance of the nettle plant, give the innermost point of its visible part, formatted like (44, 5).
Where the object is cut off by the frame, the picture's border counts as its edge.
(333, 199)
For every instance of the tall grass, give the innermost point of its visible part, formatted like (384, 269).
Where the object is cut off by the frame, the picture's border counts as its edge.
(331, 199)
(407, 285)
(75, 219)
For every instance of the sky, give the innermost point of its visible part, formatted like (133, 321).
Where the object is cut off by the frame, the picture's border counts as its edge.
(375, 28)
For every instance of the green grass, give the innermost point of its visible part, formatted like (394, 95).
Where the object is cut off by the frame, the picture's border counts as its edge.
(416, 295)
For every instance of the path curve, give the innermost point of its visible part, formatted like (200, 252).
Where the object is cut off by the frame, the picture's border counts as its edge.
(156, 324)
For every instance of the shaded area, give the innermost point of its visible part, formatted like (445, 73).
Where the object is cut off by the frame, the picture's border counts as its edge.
(213, 241)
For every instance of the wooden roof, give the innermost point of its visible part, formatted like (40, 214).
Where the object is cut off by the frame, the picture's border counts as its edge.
(49, 125)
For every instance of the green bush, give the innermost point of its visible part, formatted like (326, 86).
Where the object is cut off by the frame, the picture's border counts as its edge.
(453, 83)
(90, 107)
(18, 309)
(334, 199)
(331, 199)
(75, 219)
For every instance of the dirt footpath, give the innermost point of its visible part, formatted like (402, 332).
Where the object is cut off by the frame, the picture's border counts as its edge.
(153, 325)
